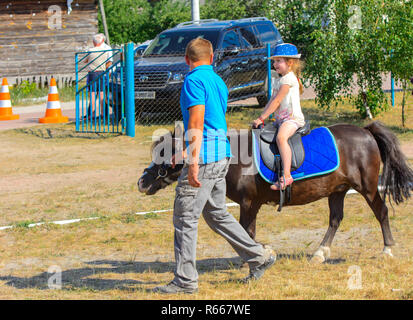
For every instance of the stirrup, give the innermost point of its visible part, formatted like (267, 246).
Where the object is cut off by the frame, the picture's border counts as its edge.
(281, 184)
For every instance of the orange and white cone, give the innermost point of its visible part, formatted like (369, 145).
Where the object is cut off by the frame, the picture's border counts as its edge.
(6, 112)
(53, 111)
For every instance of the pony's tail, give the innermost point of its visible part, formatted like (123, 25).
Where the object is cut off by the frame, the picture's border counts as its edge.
(397, 176)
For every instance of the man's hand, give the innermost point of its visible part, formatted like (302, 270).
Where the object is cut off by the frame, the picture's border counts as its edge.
(193, 171)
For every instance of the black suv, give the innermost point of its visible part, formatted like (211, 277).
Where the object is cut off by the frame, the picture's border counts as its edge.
(240, 58)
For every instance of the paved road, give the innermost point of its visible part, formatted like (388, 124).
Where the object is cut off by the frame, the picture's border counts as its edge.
(29, 116)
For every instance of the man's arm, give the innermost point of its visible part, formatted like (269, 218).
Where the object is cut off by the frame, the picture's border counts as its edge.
(195, 132)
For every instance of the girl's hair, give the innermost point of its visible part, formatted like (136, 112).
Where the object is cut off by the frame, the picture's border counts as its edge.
(297, 67)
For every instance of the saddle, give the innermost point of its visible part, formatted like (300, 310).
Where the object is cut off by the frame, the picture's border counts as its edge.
(270, 154)
(269, 149)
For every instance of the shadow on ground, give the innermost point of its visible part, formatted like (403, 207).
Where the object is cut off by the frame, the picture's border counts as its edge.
(301, 256)
(88, 277)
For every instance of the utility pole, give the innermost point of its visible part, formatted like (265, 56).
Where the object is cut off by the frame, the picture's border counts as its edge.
(195, 10)
(105, 26)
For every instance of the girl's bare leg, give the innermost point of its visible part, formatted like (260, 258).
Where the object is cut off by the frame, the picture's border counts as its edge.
(286, 130)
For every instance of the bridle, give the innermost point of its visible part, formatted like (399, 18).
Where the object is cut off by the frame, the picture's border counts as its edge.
(162, 171)
(164, 168)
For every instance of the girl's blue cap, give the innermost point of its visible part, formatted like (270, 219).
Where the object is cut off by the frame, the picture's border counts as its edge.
(286, 50)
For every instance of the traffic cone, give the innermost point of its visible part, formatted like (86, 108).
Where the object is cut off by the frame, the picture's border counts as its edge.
(53, 111)
(6, 112)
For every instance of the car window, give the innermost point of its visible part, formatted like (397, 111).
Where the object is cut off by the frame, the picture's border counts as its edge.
(248, 38)
(174, 43)
(231, 39)
(266, 33)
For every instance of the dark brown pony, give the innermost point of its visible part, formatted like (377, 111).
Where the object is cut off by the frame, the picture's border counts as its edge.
(361, 152)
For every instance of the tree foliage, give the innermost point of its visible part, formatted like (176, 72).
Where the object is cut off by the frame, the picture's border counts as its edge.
(223, 9)
(127, 20)
(350, 50)
(297, 19)
(399, 39)
(166, 14)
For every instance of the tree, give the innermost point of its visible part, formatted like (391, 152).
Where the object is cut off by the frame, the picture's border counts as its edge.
(350, 43)
(257, 8)
(166, 14)
(223, 9)
(399, 40)
(366, 32)
(297, 19)
(126, 20)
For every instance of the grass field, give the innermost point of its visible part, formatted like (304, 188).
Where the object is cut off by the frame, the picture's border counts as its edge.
(49, 173)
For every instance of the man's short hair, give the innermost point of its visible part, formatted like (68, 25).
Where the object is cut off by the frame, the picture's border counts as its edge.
(97, 38)
(198, 49)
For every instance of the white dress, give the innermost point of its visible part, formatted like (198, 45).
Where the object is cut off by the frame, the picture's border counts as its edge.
(290, 107)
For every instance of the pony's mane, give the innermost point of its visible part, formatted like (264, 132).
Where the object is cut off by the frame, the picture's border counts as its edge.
(160, 139)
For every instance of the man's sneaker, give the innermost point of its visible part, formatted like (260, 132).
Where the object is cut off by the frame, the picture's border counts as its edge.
(171, 288)
(258, 272)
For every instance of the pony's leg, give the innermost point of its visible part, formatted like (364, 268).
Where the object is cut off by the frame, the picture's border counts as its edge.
(336, 205)
(381, 212)
(248, 220)
(248, 216)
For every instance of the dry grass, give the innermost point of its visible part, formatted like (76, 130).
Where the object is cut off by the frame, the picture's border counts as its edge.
(121, 255)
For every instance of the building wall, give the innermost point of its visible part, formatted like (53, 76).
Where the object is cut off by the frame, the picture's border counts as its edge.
(37, 41)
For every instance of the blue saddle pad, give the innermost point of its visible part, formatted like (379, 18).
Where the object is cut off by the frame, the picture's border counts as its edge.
(321, 156)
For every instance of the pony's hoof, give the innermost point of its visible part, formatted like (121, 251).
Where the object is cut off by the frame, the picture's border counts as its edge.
(387, 252)
(321, 255)
(316, 259)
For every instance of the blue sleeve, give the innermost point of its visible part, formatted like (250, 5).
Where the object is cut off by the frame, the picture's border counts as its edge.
(193, 93)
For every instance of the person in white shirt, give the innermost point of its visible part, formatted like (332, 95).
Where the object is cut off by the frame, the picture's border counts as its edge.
(98, 63)
(285, 104)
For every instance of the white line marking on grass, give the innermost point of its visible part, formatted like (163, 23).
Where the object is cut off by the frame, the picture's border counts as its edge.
(63, 222)
(153, 211)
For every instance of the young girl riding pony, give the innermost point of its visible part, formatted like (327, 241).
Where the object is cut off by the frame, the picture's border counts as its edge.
(285, 104)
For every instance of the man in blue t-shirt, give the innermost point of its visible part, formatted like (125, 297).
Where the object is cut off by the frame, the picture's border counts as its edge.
(201, 185)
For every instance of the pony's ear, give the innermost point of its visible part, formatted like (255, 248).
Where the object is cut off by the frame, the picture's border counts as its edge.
(179, 129)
